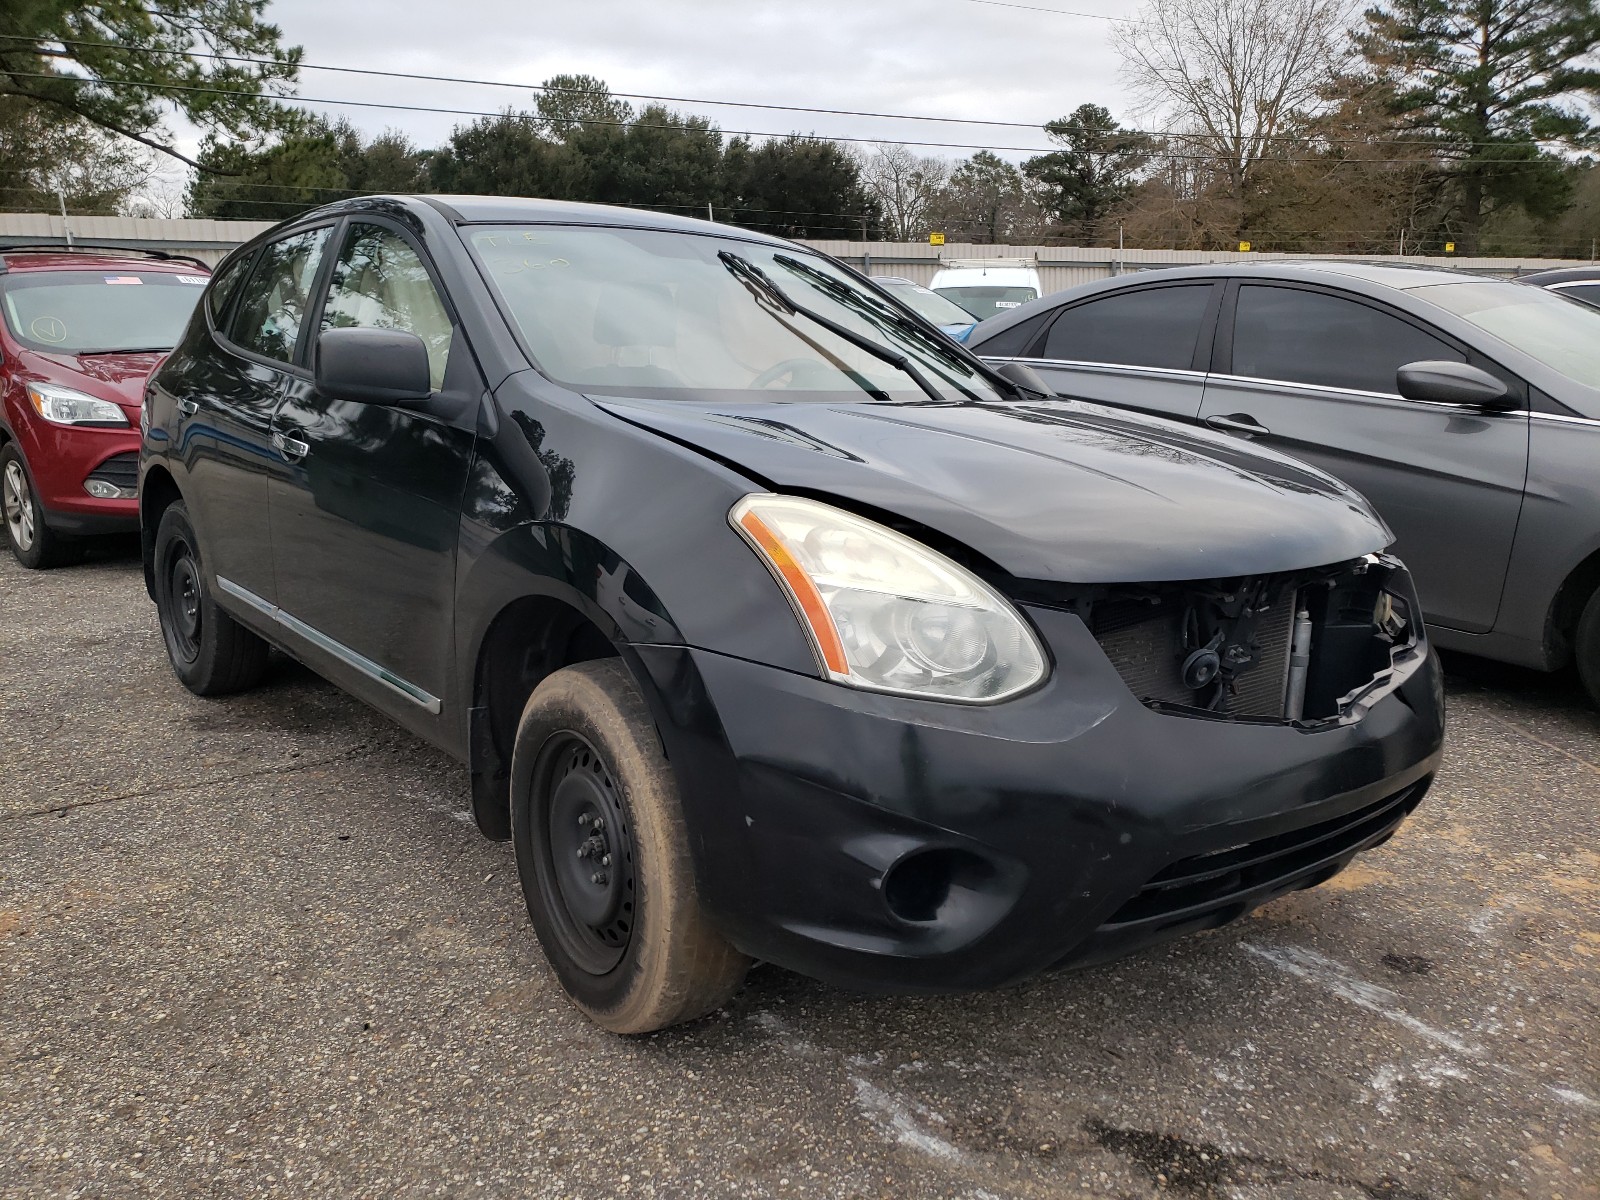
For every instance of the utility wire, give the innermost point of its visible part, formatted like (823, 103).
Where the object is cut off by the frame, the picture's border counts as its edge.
(1166, 155)
(838, 112)
(1059, 12)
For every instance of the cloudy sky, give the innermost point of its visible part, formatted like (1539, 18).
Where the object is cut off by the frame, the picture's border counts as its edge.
(970, 59)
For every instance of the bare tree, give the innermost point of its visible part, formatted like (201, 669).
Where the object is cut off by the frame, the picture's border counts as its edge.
(1234, 77)
(906, 186)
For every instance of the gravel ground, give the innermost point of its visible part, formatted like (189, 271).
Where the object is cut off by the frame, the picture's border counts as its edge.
(255, 946)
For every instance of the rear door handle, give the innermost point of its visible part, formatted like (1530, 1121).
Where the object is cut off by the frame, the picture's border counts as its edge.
(188, 407)
(1238, 423)
(292, 449)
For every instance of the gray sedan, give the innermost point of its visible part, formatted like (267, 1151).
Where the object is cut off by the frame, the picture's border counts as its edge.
(1466, 409)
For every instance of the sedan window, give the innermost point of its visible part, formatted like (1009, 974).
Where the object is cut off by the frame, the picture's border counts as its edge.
(1563, 336)
(273, 301)
(1589, 293)
(1149, 327)
(1310, 337)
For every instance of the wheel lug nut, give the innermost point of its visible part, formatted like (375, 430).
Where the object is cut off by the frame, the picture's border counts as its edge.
(598, 877)
(605, 860)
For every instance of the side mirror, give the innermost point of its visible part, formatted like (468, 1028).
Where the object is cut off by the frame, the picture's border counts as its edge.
(1025, 377)
(1445, 382)
(372, 366)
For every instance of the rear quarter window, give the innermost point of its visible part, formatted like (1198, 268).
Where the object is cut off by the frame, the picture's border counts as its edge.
(1148, 327)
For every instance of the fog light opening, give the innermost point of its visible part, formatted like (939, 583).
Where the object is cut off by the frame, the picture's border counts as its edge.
(918, 888)
(102, 490)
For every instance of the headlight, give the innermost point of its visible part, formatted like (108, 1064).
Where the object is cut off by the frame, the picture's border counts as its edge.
(887, 613)
(67, 407)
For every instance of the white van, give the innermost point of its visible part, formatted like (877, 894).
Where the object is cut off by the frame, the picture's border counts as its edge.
(985, 289)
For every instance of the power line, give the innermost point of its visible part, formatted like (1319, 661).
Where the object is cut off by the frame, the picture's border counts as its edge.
(1166, 155)
(101, 81)
(839, 112)
(536, 87)
(1059, 12)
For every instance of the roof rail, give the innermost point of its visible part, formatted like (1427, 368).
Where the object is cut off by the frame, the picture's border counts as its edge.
(63, 248)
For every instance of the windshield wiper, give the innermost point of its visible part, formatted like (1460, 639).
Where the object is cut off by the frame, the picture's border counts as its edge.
(743, 268)
(874, 306)
(120, 350)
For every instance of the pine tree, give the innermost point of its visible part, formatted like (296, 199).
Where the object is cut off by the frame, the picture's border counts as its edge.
(1497, 83)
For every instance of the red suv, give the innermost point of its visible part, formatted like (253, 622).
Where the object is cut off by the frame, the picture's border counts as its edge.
(80, 333)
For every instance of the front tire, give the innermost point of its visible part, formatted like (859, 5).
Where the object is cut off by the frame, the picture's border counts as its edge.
(33, 543)
(210, 652)
(603, 854)
(1586, 647)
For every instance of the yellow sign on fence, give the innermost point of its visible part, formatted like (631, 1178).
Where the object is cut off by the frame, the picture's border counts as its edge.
(936, 239)
(1449, 247)
(1244, 247)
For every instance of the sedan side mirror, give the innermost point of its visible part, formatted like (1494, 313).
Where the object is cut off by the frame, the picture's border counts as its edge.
(1445, 382)
(372, 366)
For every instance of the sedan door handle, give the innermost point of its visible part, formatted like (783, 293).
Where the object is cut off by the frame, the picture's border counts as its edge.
(1238, 423)
(292, 449)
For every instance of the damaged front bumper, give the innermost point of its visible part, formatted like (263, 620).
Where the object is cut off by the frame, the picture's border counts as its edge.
(896, 844)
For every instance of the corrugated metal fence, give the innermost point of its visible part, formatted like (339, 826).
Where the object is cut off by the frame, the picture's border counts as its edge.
(1059, 266)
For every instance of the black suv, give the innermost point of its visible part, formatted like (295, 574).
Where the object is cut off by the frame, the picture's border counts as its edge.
(768, 622)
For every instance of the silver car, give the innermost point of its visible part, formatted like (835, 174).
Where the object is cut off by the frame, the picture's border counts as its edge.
(1466, 409)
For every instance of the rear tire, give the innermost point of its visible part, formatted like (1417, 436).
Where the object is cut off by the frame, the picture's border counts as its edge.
(603, 853)
(210, 652)
(1586, 647)
(33, 543)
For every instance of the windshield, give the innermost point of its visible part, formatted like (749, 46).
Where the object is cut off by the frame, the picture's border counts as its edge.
(630, 312)
(983, 302)
(87, 312)
(925, 302)
(1563, 335)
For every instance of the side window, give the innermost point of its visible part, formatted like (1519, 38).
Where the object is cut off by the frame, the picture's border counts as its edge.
(1150, 327)
(1589, 293)
(379, 282)
(1309, 337)
(273, 301)
(224, 285)
(1014, 341)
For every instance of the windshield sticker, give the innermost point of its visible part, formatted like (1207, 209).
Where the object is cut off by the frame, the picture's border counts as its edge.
(48, 329)
(197, 280)
(1008, 304)
(123, 279)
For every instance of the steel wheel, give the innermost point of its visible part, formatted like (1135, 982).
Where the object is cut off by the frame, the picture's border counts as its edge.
(603, 853)
(22, 519)
(588, 883)
(211, 652)
(182, 623)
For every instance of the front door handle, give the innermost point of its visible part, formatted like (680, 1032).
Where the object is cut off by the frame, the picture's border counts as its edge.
(292, 449)
(1238, 423)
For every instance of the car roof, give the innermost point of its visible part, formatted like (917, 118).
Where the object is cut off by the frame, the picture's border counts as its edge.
(525, 210)
(986, 276)
(1368, 277)
(89, 260)
(1561, 275)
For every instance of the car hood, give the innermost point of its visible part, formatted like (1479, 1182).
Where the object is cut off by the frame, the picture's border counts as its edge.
(119, 378)
(1054, 490)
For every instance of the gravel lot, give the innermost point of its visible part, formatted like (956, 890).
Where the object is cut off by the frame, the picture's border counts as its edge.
(255, 946)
